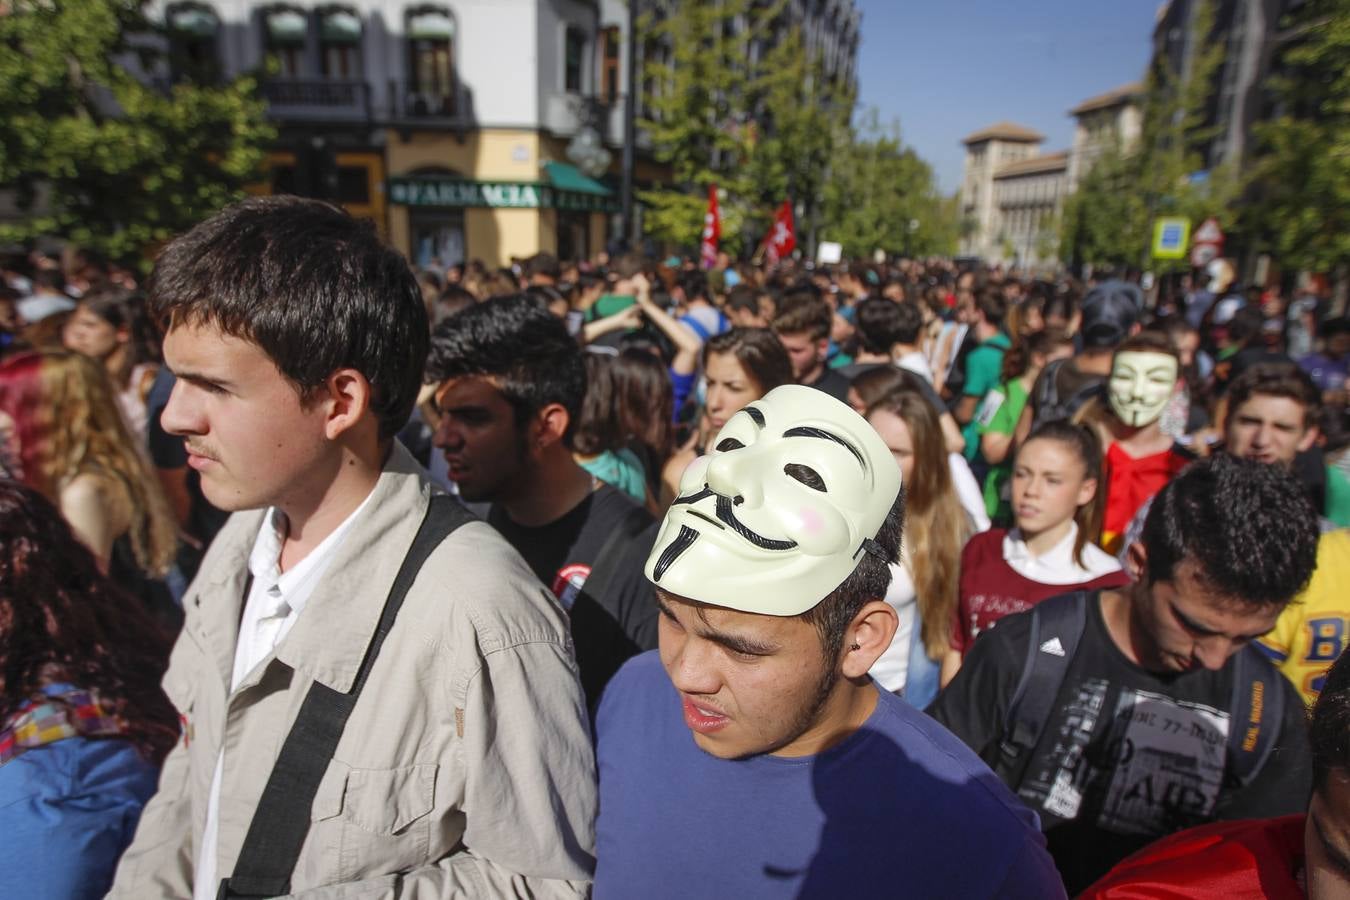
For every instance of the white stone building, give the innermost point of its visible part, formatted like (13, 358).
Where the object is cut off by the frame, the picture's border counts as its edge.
(1012, 194)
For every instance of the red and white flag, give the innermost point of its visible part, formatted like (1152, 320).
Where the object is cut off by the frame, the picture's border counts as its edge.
(712, 230)
(782, 239)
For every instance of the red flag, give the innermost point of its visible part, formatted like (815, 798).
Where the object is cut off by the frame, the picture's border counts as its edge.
(712, 230)
(782, 239)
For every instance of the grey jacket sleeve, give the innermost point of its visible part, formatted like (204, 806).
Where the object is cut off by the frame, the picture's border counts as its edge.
(530, 793)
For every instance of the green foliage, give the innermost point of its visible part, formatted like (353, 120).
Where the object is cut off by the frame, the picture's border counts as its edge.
(1109, 218)
(1301, 168)
(762, 127)
(878, 188)
(94, 155)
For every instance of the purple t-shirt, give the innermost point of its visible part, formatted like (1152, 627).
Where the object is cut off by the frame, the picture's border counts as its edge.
(899, 808)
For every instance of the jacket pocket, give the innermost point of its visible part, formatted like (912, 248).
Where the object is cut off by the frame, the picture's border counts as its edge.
(367, 823)
(387, 801)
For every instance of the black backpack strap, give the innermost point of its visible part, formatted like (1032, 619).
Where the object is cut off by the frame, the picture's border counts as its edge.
(1257, 711)
(1047, 396)
(281, 820)
(1056, 627)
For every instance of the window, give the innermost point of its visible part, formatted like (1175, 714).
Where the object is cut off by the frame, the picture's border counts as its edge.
(609, 64)
(192, 31)
(285, 30)
(340, 43)
(431, 34)
(574, 54)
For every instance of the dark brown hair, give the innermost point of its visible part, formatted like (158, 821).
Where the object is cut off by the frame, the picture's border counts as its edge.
(1277, 379)
(61, 620)
(759, 352)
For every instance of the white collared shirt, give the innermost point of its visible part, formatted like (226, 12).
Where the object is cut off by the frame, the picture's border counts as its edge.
(1057, 565)
(275, 600)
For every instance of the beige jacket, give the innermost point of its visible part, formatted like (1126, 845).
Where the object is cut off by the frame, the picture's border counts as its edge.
(466, 767)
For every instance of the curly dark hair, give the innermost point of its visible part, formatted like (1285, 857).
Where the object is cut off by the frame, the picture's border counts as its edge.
(1248, 526)
(515, 340)
(1329, 724)
(61, 620)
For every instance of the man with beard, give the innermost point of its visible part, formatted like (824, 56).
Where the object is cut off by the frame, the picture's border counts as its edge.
(753, 756)
(510, 383)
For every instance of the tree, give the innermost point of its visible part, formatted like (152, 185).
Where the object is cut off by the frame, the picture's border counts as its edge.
(740, 103)
(693, 102)
(1109, 219)
(1301, 166)
(96, 155)
(882, 196)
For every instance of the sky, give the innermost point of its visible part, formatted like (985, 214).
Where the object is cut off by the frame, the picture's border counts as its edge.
(947, 68)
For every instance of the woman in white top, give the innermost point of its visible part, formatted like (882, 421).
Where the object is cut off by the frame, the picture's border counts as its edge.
(1057, 500)
(924, 579)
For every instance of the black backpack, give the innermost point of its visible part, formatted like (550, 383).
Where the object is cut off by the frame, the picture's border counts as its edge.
(1050, 406)
(1256, 706)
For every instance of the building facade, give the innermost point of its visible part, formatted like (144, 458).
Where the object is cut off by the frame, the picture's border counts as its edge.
(1012, 194)
(450, 124)
(1252, 35)
(487, 129)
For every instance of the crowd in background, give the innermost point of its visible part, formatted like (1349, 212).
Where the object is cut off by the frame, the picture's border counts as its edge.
(1034, 423)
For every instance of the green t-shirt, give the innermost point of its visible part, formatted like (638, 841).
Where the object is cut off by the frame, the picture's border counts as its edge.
(984, 365)
(608, 305)
(1338, 497)
(998, 414)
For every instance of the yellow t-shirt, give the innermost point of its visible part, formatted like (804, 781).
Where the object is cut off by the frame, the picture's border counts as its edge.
(1313, 629)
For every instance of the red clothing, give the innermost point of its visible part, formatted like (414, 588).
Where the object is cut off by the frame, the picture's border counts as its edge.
(991, 589)
(1243, 860)
(1131, 482)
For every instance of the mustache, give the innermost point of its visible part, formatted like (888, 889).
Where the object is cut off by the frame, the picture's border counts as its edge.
(198, 450)
(726, 514)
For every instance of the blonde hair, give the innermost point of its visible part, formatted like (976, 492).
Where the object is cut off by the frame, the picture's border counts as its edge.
(936, 528)
(76, 427)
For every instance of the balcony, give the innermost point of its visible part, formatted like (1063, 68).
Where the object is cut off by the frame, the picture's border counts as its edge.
(411, 104)
(317, 99)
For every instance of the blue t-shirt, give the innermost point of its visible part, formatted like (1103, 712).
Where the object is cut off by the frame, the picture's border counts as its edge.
(900, 808)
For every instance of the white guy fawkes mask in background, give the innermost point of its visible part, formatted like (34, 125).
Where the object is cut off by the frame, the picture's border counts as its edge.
(1140, 386)
(781, 511)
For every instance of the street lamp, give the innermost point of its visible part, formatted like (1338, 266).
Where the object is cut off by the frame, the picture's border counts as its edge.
(586, 149)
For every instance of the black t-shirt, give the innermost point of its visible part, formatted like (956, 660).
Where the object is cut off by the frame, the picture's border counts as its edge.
(832, 383)
(1128, 755)
(606, 630)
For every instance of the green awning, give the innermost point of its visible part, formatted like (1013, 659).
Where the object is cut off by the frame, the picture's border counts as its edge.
(567, 177)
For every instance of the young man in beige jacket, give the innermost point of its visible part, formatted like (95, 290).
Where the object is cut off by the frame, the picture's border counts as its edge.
(465, 769)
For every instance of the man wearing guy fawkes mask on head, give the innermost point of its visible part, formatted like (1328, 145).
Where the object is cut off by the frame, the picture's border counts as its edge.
(1139, 458)
(752, 755)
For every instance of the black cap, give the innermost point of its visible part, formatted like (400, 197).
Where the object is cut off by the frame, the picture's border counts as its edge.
(1110, 310)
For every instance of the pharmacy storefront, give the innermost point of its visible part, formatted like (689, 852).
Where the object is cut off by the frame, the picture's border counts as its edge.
(450, 219)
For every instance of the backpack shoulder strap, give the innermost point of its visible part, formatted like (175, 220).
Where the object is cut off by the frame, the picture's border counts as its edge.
(1047, 396)
(1257, 710)
(1056, 627)
(281, 819)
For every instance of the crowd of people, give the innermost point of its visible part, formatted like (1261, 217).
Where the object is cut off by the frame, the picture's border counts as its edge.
(321, 576)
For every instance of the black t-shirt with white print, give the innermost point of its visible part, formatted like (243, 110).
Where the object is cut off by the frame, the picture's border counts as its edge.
(606, 630)
(1128, 755)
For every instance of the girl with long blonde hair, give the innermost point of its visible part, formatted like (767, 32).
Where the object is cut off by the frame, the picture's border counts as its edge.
(924, 580)
(70, 443)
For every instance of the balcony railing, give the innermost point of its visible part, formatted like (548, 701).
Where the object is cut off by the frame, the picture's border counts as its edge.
(317, 99)
(410, 102)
